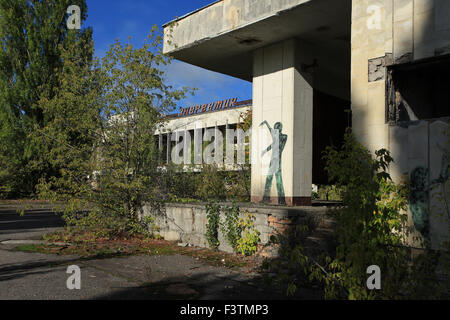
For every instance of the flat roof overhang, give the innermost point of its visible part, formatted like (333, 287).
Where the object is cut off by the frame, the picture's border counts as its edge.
(223, 36)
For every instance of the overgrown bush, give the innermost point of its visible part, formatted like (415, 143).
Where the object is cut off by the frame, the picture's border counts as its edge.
(181, 184)
(216, 184)
(230, 227)
(212, 224)
(238, 184)
(211, 183)
(329, 192)
(371, 230)
(240, 232)
(247, 243)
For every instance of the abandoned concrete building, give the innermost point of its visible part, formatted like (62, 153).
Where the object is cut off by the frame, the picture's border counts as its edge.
(319, 66)
(194, 120)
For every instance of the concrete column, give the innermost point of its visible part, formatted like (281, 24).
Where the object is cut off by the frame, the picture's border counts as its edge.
(169, 145)
(160, 148)
(198, 144)
(283, 102)
(187, 146)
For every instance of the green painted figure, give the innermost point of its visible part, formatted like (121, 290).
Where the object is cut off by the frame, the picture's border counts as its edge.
(275, 161)
(418, 200)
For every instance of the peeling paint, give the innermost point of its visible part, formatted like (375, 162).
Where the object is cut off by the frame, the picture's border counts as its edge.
(377, 69)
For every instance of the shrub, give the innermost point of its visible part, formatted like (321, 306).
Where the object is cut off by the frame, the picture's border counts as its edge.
(230, 227)
(247, 244)
(371, 230)
(211, 183)
(212, 225)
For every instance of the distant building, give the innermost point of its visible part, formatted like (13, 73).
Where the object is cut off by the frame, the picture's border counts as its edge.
(195, 120)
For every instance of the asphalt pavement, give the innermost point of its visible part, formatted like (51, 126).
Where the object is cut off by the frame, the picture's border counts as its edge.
(36, 276)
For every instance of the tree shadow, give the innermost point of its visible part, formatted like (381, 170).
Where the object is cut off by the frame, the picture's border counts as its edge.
(11, 221)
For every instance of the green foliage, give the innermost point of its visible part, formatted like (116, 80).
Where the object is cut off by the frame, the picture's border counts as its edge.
(246, 123)
(371, 226)
(240, 232)
(329, 192)
(212, 225)
(181, 184)
(238, 184)
(230, 227)
(247, 244)
(33, 36)
(101, 138)
(371, 230)
(211, 183)
(217, 184)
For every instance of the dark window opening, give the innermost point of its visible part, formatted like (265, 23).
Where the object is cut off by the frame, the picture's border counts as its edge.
(418, 91)
(331, 117)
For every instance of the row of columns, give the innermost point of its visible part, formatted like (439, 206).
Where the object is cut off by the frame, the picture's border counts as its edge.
(198, 134)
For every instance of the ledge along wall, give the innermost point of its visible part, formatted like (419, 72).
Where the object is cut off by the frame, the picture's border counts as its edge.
(186, 223)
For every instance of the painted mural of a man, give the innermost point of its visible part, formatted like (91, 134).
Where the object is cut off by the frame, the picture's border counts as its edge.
(278, 141)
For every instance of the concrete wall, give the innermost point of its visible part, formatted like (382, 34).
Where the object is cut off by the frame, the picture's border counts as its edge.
(421, 150)
(390, 32)
(187, 223)
(222, 17)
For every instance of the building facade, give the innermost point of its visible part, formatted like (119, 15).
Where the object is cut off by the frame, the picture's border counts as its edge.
(311, 62)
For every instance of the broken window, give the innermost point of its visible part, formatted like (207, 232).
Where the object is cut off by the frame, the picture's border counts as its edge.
(417, 91)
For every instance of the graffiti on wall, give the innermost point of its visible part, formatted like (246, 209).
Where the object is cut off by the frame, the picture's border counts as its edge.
(419, 196)
(418, 200)
(443, 177)
(277, 146)
(421, 150)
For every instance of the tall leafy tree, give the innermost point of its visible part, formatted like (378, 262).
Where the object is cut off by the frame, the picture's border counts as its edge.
(33, 34)
(101, 137)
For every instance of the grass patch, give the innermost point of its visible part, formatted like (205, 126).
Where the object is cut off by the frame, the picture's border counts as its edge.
(35, 248)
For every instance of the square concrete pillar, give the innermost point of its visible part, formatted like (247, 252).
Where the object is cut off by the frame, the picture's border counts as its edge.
(282, 125)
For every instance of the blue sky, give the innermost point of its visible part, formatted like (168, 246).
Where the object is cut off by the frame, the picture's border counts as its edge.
(111, 19)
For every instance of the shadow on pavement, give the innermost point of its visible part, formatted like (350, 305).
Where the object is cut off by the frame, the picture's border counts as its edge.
(12, 222)
(23, 269)
(207, 286)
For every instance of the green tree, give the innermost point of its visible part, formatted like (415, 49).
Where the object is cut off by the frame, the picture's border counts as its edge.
(32, 35)
(112, 111)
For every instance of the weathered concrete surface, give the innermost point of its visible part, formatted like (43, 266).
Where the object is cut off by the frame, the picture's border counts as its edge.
(408, 31)
(394, 32)
(187, 222)
(223, 36)
(422, 147)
